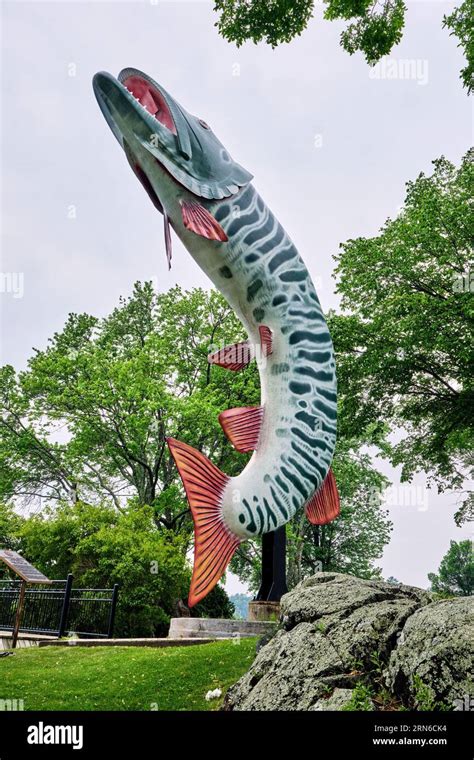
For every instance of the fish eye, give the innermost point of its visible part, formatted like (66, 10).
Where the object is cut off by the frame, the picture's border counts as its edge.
(203, 124)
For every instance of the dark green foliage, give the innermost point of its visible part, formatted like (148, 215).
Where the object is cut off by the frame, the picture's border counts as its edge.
(404, 340)
(375, 33)
(273, 21)
(374, 28)
(102, 546)
(114, 389)
(9, 526)
(455, 576)
(110, 496)
(361, 699)
(461, 24)
(425, 697)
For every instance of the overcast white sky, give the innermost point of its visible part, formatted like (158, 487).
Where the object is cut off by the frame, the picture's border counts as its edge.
(330, 146)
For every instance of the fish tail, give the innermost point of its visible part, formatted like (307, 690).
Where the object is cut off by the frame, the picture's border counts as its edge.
(214, 542)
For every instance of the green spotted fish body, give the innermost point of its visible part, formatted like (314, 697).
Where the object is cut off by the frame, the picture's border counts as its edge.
(214, 209)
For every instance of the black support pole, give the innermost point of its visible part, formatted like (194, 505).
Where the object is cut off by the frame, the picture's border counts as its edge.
(273, 584)
(267, 567)
(279, 586)
(113, 607)
(65, 609)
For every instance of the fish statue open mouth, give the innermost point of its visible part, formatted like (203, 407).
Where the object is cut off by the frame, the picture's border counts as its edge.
(208, 200)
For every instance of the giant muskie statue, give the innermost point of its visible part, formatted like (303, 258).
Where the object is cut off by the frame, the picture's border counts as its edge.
(210, 203)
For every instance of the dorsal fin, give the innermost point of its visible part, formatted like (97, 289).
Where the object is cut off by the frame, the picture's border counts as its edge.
(242, 426)
(198, 219)
(233, 357)
(214, 543)
(324, 505)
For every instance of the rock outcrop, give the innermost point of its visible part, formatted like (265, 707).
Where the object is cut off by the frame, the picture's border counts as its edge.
(344, 642)
(436, 649)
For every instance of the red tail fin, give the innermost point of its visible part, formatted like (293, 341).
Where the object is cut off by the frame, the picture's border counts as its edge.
(214, 543)
(324, 504)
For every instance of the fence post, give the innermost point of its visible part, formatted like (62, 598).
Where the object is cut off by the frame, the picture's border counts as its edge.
(19, 613)
(113, 607)
(65, 609)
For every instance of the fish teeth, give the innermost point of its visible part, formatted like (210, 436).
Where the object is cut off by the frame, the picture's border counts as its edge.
(139, 101)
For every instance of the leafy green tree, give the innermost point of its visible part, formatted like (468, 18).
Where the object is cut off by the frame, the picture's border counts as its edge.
(373, 28)
(84, 429)
(86, 425)
(404, 339)
(460, 22)
(273, 21)
(10, 524)
(101, 546)
(455, 576)
(88, 420)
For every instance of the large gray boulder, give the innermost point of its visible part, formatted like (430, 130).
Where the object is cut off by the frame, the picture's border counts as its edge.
(338, 633)
(434, 658)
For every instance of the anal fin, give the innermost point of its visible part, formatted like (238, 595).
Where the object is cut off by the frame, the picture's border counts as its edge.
(242, 426)
(324, 505)
(214, 542)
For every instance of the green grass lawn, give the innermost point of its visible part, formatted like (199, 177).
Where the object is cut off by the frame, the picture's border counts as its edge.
(123, 678)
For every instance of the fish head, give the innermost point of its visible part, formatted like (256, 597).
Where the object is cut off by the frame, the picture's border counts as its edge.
(144, 116)
(174, 154)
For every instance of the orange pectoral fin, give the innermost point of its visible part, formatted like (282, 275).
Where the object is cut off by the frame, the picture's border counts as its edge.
(324, 504)
(214, 543)
(198, 219)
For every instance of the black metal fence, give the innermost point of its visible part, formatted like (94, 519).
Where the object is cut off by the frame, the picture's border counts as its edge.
(59, 609)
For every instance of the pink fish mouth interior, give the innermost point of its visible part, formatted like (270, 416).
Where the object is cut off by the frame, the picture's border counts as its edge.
(151, 99)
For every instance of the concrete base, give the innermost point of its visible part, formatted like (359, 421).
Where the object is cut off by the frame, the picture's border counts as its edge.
(24, 640)
(264, 611)
(218, 628)
(125, 642)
